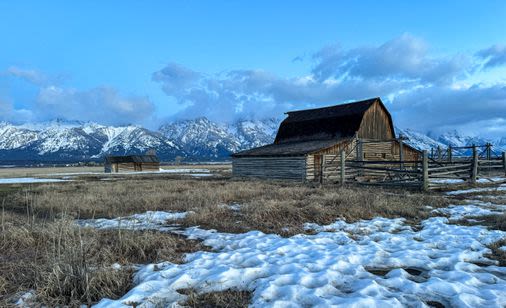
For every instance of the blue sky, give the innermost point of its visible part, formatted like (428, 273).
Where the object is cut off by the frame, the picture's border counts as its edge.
(438, 65)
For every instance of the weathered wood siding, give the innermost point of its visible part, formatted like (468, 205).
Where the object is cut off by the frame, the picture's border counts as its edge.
(287, 167)
(130, 167)
(328, 159)
(376, 124)
(388, 151)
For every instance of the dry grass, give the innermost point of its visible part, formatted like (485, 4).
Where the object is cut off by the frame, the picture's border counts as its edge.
(67, 265)
(494, 222)
(498, 254)
(224, 299)
(267, 206)
(41, 249)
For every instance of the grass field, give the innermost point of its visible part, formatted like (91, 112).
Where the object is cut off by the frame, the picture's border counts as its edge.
(42, 249)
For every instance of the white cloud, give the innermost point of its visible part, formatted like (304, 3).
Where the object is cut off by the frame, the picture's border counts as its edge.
(30, 75)
(101, 104)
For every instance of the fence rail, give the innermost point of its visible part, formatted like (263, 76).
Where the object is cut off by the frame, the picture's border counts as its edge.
(425, 174)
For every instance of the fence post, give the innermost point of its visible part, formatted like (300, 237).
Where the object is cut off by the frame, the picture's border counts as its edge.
(343, 170)
(425, 170)
(450, 154)
(474, 170)
(504, 162)
(401, 152)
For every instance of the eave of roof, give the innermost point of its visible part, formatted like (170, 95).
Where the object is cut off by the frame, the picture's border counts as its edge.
(290, 148)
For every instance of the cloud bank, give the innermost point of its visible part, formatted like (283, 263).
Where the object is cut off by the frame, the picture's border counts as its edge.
(424, 91)
(100, 104)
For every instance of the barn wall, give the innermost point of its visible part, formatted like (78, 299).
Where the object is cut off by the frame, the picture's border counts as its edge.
(375, 124)
(130, 167)
(329, 160)
(292, 168)
(150, 166)
(388, 151)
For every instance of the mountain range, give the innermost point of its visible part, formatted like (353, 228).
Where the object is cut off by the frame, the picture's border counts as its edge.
(198, 139)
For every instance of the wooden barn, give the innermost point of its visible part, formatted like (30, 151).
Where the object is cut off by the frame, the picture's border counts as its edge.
(131, 163)
(308, 143)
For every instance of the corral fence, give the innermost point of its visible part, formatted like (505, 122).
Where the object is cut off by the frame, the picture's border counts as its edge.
(430, 172)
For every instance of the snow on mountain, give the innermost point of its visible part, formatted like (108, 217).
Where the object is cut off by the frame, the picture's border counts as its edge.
(196, 139)
(201, 138)
(13, 137)
(58, 141)
(252, 134)
(133, 139)
(418, 140)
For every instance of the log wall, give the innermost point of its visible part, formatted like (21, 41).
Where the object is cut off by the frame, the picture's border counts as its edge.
(287, 167)
(131, 167)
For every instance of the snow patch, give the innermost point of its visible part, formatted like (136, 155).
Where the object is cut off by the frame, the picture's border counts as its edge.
(29, 180)
(151, 220)
(475, 190)
(381, 262)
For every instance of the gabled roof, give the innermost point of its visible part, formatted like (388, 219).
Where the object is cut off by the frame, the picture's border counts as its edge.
(290, 148)
(334, 122)
(308, 131)
(132, 159)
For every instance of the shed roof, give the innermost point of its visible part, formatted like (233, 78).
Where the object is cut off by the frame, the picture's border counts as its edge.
(334, 122)
(290, 148)
(132, 159)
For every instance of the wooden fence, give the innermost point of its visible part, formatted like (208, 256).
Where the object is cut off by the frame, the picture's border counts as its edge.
(425, 174)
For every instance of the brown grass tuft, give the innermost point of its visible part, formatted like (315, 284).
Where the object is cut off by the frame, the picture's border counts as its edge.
(223, 299)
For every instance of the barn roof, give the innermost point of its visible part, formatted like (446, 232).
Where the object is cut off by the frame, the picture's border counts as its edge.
(308, 131)
(290, 148)
(132, 159)
(334, 122)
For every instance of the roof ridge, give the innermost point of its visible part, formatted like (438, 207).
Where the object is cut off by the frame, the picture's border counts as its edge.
(337, 105)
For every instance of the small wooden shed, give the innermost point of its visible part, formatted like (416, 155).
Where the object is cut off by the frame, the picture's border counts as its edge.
(308, 142)
(131, 163)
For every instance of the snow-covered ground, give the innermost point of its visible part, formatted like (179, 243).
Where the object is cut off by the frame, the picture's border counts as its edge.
(380, 262)
(28, 180)
(472, 208)
(151, 220)
(478, 190)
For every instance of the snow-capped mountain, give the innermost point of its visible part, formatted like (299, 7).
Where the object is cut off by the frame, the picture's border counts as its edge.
(195, 140)
(64, 142)
(418, 140)
(252, 133)
(203, 139)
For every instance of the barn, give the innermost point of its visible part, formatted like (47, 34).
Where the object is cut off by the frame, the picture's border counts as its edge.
(309, 142)
(131, 163)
